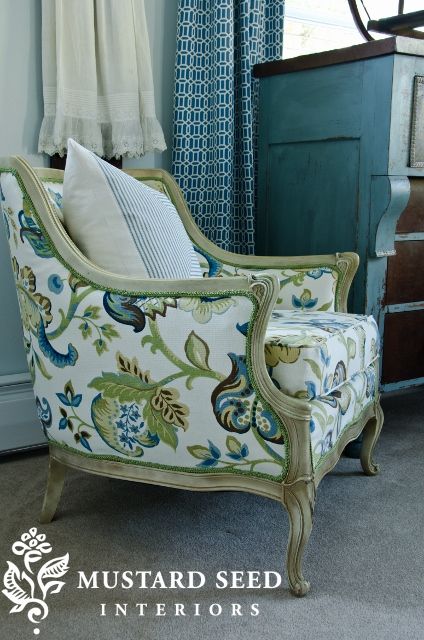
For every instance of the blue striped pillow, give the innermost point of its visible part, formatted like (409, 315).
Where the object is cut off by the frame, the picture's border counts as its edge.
(121, 224)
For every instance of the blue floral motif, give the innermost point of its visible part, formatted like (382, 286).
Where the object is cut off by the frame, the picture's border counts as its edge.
(215, 267)
(124, 310)
(44, 413)
(371, 380)
(71, 420)
(132, 310)
(31, 232)
(311, 389)
(57, 198)
(325, 358)
(55, 283)
(69, 398)
(7, 226)
(128, 424)
(212, 459)
(317, 273)
(243, 452)
(36, 316)
(229, 399)
(327, 443)
(243, 328)
(237, 408)
(305, 301)
(84, 442)
(60, 360)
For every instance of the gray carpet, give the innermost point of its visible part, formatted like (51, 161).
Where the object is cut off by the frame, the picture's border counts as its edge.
(364, 559)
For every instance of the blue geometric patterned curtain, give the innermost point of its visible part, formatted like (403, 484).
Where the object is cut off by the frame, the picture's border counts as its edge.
(214, 153)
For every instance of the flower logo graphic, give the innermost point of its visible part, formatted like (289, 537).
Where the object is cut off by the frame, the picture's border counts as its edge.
(25, 588)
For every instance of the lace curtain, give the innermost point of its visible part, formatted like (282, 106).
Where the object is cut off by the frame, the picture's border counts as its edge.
(97, 78)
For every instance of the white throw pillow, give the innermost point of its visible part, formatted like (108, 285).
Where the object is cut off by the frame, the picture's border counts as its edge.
(121, 224)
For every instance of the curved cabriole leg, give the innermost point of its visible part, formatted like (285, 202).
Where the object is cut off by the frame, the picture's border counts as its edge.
(299, 500)
(371, 432)
(54, 488)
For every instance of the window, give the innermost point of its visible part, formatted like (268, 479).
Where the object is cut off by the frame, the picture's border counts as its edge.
(319, 25)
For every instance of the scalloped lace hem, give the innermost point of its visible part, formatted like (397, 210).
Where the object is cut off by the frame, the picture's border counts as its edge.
(129, 139)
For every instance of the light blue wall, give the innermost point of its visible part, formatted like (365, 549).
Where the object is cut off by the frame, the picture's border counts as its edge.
(162, 25)
(21, 106)
(21, 112)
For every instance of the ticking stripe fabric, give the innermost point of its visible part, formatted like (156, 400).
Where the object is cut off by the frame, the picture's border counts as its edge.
(121, 224)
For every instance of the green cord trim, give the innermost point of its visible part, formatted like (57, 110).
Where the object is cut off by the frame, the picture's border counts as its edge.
(52, 180)
(173, 294)
(166, 467)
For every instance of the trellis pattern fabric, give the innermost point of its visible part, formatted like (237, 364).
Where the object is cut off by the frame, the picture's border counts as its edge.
(215, 110)
(121, 224)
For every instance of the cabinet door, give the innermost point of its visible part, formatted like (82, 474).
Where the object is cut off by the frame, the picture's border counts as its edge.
(311, 200)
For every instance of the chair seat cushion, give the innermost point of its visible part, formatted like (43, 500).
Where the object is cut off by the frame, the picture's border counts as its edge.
(311, 354)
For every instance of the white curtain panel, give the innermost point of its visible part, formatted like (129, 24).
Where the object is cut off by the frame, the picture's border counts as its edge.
(97, 78)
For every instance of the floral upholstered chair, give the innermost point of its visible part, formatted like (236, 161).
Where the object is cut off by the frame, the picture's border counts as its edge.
(252, 378)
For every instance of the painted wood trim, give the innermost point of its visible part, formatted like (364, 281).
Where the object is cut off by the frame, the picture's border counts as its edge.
(14, 378)
(409, 237)
(416, 160)
(396, 192)
(402, 384)
(174, 479)
(404, 307)
(364, 51)
(20, 427)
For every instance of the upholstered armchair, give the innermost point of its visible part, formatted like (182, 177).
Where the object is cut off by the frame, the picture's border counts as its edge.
(253, 378)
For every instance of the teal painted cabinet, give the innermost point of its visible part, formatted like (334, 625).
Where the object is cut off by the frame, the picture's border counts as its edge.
(341, 168)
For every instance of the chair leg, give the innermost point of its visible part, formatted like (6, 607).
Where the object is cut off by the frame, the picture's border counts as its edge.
(54, 488)
(371, 432)
(299, 501)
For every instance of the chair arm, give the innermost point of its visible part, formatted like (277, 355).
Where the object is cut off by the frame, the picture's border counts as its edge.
(317, 283)
(309, 282)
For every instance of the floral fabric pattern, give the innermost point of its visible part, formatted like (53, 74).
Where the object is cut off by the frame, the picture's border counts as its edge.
(311, 354)
(300, 288)
(55, 193)
(333, 413)
(138, 378)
